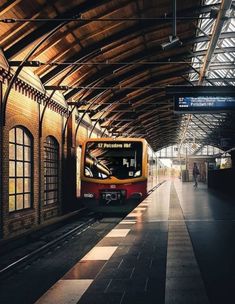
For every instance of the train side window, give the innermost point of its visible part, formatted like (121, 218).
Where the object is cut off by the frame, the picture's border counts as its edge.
(137, 173)
(88, 172)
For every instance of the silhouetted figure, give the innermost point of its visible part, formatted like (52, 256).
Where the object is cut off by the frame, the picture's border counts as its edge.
(195, 174)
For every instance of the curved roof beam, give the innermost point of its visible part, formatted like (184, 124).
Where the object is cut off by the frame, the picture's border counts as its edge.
(136, 29)
(106, 72)
(95, 50)
(48, 26)
(97, 47)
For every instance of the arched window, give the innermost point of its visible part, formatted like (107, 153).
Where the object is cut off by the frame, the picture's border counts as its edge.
(51, 170)
(20, 169)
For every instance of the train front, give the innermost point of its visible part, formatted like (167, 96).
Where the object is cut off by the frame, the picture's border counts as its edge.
(113, 171)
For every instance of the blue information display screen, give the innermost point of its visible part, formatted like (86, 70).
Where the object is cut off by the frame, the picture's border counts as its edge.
(204, 103)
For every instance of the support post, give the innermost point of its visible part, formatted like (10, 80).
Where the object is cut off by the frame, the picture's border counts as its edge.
(1, 163)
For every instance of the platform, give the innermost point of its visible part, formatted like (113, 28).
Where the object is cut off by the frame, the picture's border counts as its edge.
(177, 246)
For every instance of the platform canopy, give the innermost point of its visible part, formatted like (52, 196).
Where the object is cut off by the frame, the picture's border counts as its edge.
(115, 58)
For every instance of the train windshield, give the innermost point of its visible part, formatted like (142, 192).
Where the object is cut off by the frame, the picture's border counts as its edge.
(113, 159)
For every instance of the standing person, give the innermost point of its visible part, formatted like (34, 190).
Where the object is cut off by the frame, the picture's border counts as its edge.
(195, 174)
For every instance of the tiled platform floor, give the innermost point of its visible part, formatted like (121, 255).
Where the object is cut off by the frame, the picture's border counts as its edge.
(175, 247)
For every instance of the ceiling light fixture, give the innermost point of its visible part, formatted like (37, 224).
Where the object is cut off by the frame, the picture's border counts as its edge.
(174, 41)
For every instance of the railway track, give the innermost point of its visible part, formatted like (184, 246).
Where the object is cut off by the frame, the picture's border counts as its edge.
(24, 260)
(42, 250)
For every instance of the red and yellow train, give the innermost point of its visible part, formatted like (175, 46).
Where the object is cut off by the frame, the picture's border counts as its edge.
(114, 169)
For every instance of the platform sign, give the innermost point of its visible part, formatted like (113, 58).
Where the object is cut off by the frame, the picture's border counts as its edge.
(206, 104)
(202, 99)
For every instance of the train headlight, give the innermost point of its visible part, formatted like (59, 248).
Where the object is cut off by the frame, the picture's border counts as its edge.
(89, 195)
(137, 173)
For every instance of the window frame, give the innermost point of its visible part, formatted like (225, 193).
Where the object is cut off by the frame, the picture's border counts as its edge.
(55, 150)
(23, 176)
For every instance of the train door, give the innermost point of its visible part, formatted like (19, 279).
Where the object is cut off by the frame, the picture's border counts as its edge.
(78, 169)
(150, 168)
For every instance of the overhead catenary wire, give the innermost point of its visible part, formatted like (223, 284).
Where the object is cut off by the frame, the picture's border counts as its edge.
(108, 62)
(84, 20)
(118, 87)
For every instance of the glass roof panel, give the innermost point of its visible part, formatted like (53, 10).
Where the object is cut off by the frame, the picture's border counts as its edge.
(204, 128)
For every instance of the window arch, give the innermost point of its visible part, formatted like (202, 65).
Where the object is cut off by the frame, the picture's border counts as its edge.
(20, 169)
(51, 170)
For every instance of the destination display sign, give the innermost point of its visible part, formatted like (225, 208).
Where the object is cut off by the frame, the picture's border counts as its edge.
(200, 104)
(108, 145)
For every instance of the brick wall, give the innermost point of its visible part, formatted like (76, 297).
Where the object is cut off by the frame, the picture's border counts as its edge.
(23, 110)
(52, 126)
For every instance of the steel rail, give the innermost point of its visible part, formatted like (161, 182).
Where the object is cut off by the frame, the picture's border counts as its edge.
(50, 244)
(43, 248)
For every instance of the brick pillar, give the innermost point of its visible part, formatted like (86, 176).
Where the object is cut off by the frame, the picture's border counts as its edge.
(1, 165)
(69, 171)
